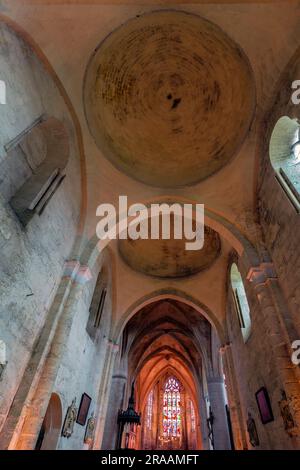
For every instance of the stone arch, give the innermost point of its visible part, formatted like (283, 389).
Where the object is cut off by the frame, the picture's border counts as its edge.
(163, 372)
(144, 360)
(218, 223)
(123, 375)
(169, 293)
(51, 426)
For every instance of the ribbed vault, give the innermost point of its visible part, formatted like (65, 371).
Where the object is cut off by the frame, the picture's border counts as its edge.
(167, 338)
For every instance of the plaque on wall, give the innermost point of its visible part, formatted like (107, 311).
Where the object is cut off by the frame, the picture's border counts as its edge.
(83, 409)
(264, 405)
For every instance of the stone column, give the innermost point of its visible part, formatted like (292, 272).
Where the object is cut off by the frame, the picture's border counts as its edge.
(188, 423)
(202, 429)
(154, 418)
(45, 373)
(160, 413)
(116, 402)
(184, 417)
(104, 390)
(157, 419)
(216, 393)
(237, 420)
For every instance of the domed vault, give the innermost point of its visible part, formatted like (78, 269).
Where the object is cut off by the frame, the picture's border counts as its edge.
(169, 258)
(169, 98)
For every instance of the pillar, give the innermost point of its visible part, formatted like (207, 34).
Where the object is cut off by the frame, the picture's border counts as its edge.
(280, 333)
(38, 395)
(116, 403)
(217, 400)
(237, 419)
(104, 389)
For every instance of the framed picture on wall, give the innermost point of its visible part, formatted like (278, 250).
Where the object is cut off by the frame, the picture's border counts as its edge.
(264, 405)
(83, 409)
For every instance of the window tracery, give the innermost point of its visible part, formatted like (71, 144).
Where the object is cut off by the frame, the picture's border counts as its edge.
(172, 408)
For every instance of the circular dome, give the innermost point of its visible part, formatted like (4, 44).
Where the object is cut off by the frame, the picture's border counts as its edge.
(169, 258)
(169, 98)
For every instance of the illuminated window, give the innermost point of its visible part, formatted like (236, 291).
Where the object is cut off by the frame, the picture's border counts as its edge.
(193, 418)
(296, 149)
(284, 152)
(149, 410)
(171, 408)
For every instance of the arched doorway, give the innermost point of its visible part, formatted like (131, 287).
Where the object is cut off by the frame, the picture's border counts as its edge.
(167, 350)
(50, 430)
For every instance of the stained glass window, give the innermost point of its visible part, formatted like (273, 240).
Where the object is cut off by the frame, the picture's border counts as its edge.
(171, 408)
(193, 418)
(149, 410)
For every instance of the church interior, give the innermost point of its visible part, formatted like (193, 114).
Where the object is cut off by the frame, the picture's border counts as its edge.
(143, 344)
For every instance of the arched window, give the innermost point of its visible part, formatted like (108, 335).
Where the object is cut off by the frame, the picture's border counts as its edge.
(149, 410)
(240, 300)
(171, 408)
(285, 156)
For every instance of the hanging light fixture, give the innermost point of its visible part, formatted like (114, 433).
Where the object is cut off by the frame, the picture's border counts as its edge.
(127, 418)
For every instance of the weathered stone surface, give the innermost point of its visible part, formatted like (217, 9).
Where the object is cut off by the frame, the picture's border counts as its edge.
(169, 258)
(169, 90)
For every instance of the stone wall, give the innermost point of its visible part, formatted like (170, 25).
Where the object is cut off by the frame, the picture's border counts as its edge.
(81, 367)
(32, 257)
(278, 217)
(255, 365)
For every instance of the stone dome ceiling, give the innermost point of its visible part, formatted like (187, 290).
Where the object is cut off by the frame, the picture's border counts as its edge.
(169, 258)
(169, 98)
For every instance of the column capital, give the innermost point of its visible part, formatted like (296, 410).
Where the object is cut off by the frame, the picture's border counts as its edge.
(113, 346)
(120, 377)
(224, 347)
(78, 273)
(260, 274)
